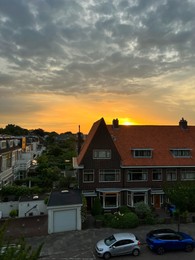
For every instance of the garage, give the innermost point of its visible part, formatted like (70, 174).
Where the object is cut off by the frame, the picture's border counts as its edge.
(64, 220)
(64, 211)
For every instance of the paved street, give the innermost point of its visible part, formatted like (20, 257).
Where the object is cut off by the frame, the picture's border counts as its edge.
(80, 244)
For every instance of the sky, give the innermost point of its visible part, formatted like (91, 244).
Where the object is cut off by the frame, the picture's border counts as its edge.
(68, 63)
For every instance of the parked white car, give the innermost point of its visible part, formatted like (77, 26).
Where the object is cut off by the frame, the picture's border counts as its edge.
(118, 244)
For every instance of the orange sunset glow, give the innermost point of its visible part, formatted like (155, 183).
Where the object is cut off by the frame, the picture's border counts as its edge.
(66, 64)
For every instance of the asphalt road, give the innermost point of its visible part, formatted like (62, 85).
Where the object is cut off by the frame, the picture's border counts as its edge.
(80, 244)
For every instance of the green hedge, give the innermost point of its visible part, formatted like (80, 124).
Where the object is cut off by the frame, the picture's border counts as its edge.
(126, 220)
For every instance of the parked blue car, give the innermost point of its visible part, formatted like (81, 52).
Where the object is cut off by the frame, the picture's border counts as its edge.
(162, 240)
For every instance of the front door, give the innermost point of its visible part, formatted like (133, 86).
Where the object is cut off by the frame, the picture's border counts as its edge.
(156, 201)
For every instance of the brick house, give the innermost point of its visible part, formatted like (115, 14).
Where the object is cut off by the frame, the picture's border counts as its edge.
(127, 164)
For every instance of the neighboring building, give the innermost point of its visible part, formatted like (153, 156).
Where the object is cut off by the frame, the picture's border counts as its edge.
(10, 152)
(16, 157)
(123, 164)
(64, 211)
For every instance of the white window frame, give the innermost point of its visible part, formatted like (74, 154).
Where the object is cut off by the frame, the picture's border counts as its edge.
(142, 153)
(171, 173)
(186, 174)
(131, 195)
(88, 173)
(104, 196)
(181, 153)
(101, 154)
(131, 172)
(103, 175)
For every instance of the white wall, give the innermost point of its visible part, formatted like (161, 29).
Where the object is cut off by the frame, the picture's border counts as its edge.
(35, 207)
(23, 207)
(6, 207)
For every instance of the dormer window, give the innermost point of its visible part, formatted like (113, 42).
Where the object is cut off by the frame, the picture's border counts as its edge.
(181, 153)
(142, 153)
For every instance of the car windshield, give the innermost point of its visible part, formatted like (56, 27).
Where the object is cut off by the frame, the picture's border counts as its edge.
(109, 240)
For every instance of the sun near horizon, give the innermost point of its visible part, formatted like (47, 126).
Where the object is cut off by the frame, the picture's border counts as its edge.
(126, 121)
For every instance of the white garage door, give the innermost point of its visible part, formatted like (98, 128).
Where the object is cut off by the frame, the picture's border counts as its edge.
(65, 220)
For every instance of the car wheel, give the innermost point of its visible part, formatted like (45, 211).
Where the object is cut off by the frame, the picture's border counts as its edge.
(160, 250)
(135, 252)
(188, 248)
(107, 255)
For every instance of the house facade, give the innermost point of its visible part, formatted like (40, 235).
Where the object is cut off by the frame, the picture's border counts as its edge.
(16, 157)
(124, 164)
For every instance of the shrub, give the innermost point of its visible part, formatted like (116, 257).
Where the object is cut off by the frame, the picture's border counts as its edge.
(124, 209)
(84, 209)
(127, 220)
(97, 207)
(142, 209)
(13, 213)
(108, 219)
(150, 219)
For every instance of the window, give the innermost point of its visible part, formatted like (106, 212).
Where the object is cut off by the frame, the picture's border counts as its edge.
(171, 174)
(137, 175)
(101, 154)
(110, 200)
(88, 176)
(3, 144)
(123, 242)
(142, 153)
(134, 197)
(157, 174)
(181, 153)
(187, 174)
(109, 175)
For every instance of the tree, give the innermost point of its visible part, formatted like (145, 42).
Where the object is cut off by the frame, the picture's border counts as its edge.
(17, 251)
(182, 196)
(84, 209)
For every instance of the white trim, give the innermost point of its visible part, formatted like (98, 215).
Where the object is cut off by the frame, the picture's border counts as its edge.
(159, 166)
(107, 190)
(138, 189)
(157, 191)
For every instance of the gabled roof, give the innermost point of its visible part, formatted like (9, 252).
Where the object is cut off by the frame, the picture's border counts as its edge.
(160, 139)
(89, 139)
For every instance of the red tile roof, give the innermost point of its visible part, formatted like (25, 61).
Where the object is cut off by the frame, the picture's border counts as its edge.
(158, 138)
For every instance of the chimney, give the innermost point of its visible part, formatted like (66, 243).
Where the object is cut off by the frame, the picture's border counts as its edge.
(183, 123)
(115, 123)
(79, 140)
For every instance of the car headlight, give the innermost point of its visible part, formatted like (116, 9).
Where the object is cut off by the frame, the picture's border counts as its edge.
(100, 249)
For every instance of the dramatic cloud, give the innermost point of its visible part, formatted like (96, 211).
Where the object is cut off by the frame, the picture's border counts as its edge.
(127, 49)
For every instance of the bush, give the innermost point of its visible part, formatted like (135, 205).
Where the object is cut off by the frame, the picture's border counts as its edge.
(84, 209)
(150, 219)
(127, 220)
(142, 210)
(13, 213)
(108, 219)
(97, 207)
(124, 209)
